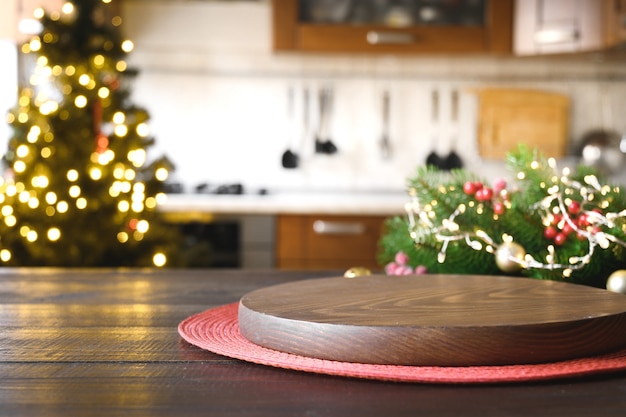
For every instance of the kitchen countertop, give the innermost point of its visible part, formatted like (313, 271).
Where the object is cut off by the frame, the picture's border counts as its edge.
(335, 203)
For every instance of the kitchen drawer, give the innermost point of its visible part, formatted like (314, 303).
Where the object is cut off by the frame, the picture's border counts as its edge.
(311, 242)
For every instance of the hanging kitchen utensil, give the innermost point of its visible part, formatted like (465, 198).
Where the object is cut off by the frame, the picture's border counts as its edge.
(433, 158)
(290, 159)
(385, 145)
(324, 144)
(453, 160)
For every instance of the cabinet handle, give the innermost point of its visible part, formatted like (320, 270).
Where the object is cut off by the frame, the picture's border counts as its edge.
(322, 227)
(381, 38)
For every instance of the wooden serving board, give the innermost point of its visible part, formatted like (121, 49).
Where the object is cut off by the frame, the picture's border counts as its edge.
(439, 320)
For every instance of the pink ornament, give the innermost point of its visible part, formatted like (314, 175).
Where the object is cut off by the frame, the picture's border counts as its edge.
(390, 268)
(499, 185)
(402, 258)
(420, 270)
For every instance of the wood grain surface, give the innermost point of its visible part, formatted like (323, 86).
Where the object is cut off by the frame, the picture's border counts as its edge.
(440, 320)
(104, 343)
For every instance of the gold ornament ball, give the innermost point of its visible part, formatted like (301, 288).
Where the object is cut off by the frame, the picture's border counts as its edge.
(617, 282)
(357, 271)
(506, 254)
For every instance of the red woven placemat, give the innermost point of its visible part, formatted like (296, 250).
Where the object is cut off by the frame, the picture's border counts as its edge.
(217, 330)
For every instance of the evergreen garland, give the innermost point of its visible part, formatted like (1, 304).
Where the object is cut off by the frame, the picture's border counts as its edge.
(447, 218)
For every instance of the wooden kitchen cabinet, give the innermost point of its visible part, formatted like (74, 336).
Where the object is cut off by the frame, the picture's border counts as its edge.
(416, 32)
(327, 242)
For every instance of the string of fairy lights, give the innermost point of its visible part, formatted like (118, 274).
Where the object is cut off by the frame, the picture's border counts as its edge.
(45, 97)
(563, 208)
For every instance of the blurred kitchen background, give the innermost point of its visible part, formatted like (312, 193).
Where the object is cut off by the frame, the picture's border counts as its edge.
(231, 86)
(225, 106)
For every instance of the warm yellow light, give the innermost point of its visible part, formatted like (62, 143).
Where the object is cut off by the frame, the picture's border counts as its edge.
(19, 166)
(33, 134)
(51, 197)
(150, 203)
(6, 210)
(95, 173)
(127, 46)
(72, 175)
(74, 191)
(105, 157)
(120, 130)
(70, 70)
(81, 203)
(22, 151)
(139, 187)
(104, 92)
(137, 236)
(129, 175)
(11, 190)
(49, 107)
(161, 198)
(22, 117)
(10, 220)
(5, 255)
(122, 237)
(123, 206)
(137, 157)
(40, 181)
(119, 117)
(33, 202)
(118, 171)
(39, 13)
(143, 226)
(50, 211)
(62, 207)
(67, 8)
(84, 79)
(98, 60)
(80, 101)
(159, 259)
(143, 129)
(23, 197)
(161, 174)
(31, 236)
(121, 66)
(46, 152)
(54, 234)
(35, 44)
(137, 206)
(42, 61)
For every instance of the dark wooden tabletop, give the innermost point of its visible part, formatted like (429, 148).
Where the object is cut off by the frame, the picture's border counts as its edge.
(105, 342)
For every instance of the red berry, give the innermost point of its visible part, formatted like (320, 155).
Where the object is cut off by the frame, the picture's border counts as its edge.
(574, 207)
(469, 188)
(550, 232)
(498, 207)
(484, 194)
(583, 220)
(560, 238)
(567, 228)
(479, 185)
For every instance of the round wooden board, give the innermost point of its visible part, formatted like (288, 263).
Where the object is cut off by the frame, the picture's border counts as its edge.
(438, 320)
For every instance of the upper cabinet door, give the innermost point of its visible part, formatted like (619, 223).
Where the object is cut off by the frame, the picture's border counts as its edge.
(568, 26)
(393, 26)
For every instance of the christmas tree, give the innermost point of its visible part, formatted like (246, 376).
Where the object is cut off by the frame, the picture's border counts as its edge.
(549, 224)
(78, 187)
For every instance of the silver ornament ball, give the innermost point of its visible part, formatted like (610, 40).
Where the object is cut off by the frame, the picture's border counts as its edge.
(617, 282)
(506, 255)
